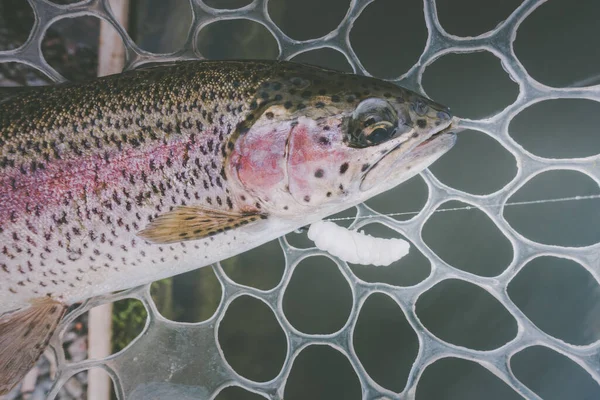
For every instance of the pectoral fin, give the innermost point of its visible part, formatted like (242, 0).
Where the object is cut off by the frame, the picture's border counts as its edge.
(193, 223)
(24, 335)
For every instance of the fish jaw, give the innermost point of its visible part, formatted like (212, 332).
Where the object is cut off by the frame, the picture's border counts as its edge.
(399, 164)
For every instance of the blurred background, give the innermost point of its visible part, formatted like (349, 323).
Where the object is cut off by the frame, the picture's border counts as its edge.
(556, 46)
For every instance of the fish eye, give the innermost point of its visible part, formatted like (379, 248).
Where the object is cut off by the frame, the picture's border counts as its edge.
(373, 122)
(379, 133)
(370, 121)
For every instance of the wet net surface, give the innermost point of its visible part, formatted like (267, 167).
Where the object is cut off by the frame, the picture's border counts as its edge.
(186, 360)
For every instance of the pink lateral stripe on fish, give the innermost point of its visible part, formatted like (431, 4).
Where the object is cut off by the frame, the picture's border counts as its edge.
(135, 177)
(77, 178)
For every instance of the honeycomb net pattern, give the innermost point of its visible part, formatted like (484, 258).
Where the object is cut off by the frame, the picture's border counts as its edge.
(165, 345)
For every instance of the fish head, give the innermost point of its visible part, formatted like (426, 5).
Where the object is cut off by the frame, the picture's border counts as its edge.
(328, 140)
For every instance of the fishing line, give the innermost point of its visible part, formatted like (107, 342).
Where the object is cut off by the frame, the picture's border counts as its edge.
(516, 203)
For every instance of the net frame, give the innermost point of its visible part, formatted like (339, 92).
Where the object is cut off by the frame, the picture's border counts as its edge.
(499, 42)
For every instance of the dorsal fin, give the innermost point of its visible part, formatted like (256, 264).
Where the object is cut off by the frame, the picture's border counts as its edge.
(24, 335)
(193, 223)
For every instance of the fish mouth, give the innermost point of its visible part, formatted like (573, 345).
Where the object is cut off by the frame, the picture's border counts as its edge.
(446, 131)
(399, 164)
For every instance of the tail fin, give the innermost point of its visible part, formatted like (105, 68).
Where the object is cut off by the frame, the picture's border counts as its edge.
(24, 335)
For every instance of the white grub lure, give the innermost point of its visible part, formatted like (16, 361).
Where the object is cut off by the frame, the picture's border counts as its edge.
(356, 247)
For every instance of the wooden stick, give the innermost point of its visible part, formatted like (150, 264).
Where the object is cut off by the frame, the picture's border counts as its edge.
(111, 59)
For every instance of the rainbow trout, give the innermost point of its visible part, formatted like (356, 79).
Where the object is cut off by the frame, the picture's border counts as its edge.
(135, 177)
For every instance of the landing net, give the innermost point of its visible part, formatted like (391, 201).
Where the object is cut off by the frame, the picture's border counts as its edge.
(181, 360)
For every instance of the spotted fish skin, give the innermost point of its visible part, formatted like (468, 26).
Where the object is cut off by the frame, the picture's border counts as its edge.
(86, 170)
(85, 167)
(126, 179)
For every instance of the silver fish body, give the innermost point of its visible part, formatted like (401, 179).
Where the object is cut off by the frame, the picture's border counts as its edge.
(135, 177)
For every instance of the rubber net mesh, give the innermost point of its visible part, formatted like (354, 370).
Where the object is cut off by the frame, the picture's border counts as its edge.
(167, 349)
